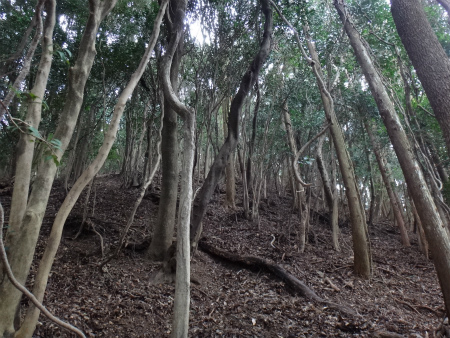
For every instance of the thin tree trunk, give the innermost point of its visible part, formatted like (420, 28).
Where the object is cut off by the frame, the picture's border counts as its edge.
(229, 170)
(330, 196)
(182, 281)
(9, 295)
(83, 180)
(434, 227)
(27, 62)
(247, 82)
(389, 184)
(251, 145)
(360, 235)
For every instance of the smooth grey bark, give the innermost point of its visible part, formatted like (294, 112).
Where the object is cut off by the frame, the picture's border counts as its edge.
(22, 241)
(427, 56)
(87, 176)
(251, 145)
(24, 159)
(187, 114)
(247, 82)
(435, 229)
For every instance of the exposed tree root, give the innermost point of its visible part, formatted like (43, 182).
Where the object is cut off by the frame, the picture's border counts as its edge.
(293, 282)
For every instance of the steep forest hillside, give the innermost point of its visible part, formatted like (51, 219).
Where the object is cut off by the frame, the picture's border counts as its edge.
(402, 299)
(204, 168)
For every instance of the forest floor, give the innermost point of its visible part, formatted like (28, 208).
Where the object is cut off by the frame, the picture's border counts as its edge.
(403, 298)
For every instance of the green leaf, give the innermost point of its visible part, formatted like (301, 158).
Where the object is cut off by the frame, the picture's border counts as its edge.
(34, 132)
(56, 143)
(55, 160)
(45, 105)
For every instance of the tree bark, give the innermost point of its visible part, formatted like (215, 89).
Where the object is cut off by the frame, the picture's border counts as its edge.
(330, 194)
(229, 170)
(22, 241)
(27, 61)
(247, 82)
(434, 227)
(427, 56)
(182, 281)
(25, 153)
(251, 145)
(360, 235)
(84, 179)
(165, 223)
(389, 184)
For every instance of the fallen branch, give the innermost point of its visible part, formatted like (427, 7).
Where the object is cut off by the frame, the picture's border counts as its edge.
(293, 282)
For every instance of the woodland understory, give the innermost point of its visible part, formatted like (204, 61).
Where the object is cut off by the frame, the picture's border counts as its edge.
(235, 168)
(402, 299)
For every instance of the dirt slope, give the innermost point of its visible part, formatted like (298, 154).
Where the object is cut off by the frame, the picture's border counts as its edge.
(402, 298)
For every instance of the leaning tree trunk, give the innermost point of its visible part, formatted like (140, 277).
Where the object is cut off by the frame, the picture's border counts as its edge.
(389, 184)
(247, 82)
(27, 60)
(55, 235)
(427, 56)
(360, 235)
(25, 149)
(434, 227)
(22, 241)
(25, 146)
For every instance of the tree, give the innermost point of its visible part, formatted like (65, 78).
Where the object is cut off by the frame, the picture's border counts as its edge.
(221, 160)
(22, 238)
(434, 227)
(427, 56)
(361, 244)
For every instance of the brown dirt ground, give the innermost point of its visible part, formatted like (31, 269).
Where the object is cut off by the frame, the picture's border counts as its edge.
(402, 298)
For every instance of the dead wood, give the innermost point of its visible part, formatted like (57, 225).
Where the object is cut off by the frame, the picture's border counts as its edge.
(293, 282)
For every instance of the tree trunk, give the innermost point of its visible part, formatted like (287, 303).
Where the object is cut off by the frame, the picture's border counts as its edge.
(330, 196)
(361, 244)
(251, 145)
(80, 184)
(27, 61)
(229, 170)
(247, 82)
(389, 184)
(22, 241)
(434, 227)
(182, 281)
(427, 56)
(25, 152)
(165, 224)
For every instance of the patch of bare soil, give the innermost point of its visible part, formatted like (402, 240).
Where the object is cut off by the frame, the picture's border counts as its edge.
(402, 299)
